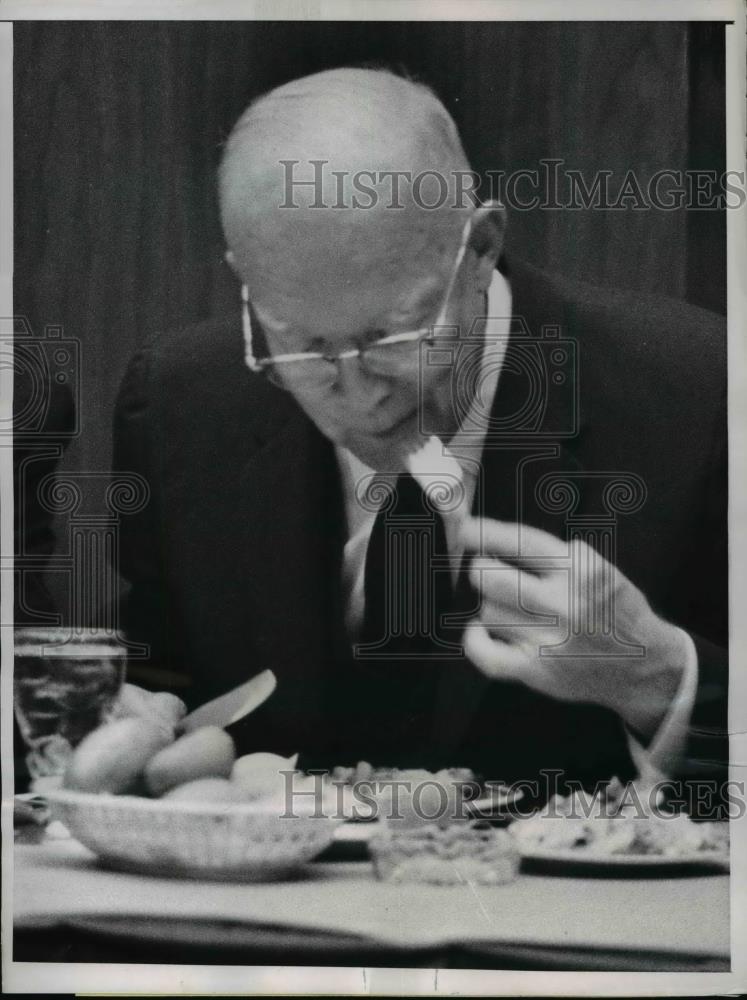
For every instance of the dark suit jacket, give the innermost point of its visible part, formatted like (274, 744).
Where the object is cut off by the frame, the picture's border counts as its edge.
(234, 565)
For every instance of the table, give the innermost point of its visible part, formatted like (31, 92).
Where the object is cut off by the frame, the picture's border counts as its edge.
(68, 908)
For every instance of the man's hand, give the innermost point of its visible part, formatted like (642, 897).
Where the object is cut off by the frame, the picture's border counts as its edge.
(539, 592)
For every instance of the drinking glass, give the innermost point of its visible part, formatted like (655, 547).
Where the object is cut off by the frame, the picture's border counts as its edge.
(65, 685)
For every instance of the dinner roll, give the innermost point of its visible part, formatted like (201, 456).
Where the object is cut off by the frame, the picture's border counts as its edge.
(111, 758)
(206, 790)
(207, 752)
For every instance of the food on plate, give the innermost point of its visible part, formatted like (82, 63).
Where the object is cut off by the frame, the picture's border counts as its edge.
(613, 823)
(464, 852)
(207, 752)
(424, 833)
(409, 795)
(438, 797)
(363, 771)
(112, 757)
(206, 790)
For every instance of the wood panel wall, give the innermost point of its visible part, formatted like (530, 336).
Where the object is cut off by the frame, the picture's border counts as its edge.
(119, 126)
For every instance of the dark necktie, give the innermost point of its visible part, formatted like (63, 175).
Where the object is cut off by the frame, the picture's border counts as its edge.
(403, 640)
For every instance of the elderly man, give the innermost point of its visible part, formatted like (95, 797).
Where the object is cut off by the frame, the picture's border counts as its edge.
(564, 607)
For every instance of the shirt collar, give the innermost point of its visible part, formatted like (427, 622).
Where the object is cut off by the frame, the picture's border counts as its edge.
(469, 440)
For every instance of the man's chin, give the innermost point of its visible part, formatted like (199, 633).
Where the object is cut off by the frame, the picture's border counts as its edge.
(386, 452)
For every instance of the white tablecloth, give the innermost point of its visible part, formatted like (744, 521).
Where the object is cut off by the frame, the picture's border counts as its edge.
(686, 916)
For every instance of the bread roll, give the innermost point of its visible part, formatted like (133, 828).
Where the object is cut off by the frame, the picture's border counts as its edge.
(207, 752)
(111, 758)
(206, 790)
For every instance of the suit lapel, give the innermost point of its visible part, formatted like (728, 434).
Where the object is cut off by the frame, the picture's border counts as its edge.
(293, 530)
(533, 434)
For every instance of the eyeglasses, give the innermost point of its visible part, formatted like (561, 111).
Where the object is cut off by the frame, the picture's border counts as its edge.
(387, 357)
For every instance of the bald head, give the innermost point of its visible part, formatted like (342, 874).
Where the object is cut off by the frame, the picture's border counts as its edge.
(316, 184)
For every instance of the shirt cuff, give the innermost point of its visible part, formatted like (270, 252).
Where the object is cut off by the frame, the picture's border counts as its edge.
(664, 754)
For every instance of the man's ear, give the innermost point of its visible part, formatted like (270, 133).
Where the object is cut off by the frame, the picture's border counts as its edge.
(230, 258)
(487, 238)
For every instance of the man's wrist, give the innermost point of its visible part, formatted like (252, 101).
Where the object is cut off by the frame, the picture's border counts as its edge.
(655, 681)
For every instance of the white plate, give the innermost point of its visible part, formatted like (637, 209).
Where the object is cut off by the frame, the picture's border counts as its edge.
(355, 833)
(351, 835)
(610, 864)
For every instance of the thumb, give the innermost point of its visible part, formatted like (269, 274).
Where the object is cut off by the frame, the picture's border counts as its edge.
(496, 658)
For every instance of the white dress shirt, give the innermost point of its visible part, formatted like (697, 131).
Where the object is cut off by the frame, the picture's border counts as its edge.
(665, 750)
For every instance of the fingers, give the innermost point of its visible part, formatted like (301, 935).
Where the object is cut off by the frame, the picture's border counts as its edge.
(540, 554)
(488, 535)
(503, 584)
(497, 659)
(517, 544)
(517, 602)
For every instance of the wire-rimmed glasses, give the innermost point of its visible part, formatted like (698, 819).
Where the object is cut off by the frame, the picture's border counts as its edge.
(387, 357)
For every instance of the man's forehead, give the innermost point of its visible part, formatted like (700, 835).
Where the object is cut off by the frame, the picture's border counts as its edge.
(347, 235)
(300, 254)
(374, 305)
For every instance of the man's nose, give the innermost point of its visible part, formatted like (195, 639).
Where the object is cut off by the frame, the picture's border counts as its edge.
(360, 386)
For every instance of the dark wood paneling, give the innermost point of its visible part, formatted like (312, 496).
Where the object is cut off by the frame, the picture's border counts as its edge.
(706, 231)
(118, 130)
